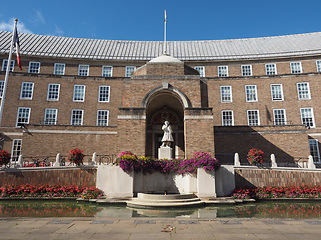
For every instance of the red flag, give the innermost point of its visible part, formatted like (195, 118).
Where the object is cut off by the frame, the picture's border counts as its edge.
(17, 45)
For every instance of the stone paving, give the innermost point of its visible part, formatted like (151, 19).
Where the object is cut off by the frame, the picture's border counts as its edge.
(158, 228)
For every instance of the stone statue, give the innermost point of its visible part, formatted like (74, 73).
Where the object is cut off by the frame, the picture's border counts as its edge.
(167, 138)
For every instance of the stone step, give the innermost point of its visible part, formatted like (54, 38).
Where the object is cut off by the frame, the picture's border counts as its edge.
(163, 205)
(167, 196)
(164, 200)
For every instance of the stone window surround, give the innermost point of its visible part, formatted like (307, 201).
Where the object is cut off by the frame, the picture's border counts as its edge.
(25, 91)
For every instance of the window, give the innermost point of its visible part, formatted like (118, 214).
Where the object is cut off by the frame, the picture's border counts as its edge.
(314, 149)
(226, 93)
(50, 116)
(251, 93)
(107, 71)
(318, 65)
(1, 88)
(270, 69)
(23, 116)
(59, 68)
(83, 70)
(129, 70)
(246, 70)
(77, 116)
(102, 117)
(5, 63)
(253, 118)
(222, 71)
(26, 90)
(296, 67)
(303, 91)
(279, 116)
(103, 94)
(34, 67)
(307, 117)
(277, 92)
(79, 93)
(201, 70)
(16, 149)
(227, 118)
(53, 92)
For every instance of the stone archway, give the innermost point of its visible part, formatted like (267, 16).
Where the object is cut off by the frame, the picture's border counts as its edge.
(164, 105)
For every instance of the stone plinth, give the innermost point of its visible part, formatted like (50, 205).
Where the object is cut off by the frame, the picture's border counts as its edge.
(165, 152)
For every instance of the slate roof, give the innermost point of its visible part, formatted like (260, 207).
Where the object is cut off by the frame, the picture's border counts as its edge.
(96, 49)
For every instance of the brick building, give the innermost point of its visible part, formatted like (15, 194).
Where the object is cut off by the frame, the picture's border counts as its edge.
(106, 96)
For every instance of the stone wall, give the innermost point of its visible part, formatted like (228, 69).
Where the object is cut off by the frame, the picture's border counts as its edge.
(254, 177)
(85, 177)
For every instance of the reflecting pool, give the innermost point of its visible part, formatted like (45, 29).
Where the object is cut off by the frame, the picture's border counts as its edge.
(267, 209)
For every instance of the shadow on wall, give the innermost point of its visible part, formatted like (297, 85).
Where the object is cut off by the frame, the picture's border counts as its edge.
(287, 142)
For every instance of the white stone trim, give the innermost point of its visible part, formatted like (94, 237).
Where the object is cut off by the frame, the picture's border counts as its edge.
(136, 117)
(12, 134)
(71, 132)
(202, 117)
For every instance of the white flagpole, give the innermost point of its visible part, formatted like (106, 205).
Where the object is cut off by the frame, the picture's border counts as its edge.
(7, 71)
(165, 46)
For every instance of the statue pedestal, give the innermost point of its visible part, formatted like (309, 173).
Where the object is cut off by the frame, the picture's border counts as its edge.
(165, 152)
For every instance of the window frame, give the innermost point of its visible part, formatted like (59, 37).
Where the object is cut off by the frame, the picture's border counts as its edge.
(13, 149)
(243, 72)
(53, 100)
(1, 88)
(82, 117)
(284, 117)
(232, 115)
(281, 88)
(97, 119)
(219, 72)
(79, 70)
(56, 115)
(300, 91)
(312, 117)
(3, 68)
(221, 92)
(318, 64)
(126, 71)
(107, 66)
(316, 144)
(28, 119)
(247, 95)
(84, 93)
(64, 68)
(29, 68)
(293, 71)
(258, 117)
(270, 73)
(201, 71)
(21, 91)
(99, 93)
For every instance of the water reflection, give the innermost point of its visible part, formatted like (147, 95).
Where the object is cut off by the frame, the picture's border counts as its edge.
(41, 208)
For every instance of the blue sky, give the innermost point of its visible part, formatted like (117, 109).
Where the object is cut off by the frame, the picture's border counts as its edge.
(144, 20)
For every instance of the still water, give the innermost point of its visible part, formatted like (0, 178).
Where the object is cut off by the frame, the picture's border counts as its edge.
(40, 208)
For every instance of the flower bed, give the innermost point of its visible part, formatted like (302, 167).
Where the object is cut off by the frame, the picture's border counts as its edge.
(129, 162)
(278, 192)
(48, 191)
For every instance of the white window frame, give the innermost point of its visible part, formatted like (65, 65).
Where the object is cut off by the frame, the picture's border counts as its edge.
(81, 70)
(5, 62)
(84, 93)
(48, 92)
(268, 71)
(82, 117)
(222, 95)
(314, 143)
(111, 71)
(244, 69)
(220, 72)
(258, 117)
(16, 143)
(1, 88)
(312, 117)
(22, 91)
(272, 92)
(99, 93)
(277, 121)
(232, 115)
(201, 70)
(127, 73)
(32, 69)
(294, 69)
(55, 119)
(55, 68)
(308, 95)
(247, 96)
(28, 118)
(97, 120)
